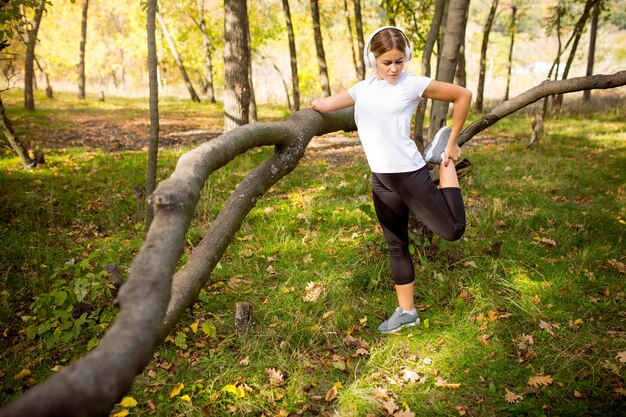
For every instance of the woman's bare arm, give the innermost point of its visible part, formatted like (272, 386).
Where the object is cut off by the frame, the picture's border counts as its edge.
(335, 102)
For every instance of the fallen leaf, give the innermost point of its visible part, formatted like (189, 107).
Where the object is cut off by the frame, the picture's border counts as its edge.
(621, 357)
(577, 394)
(307, 259)
(177, 389)
(540, 380)
(618, 265)
(547, 327)
(245, 361)
(470, 264)
(235, 390)
(461, 409)
(445, 384)
(128, 402)
(404, 413)
(390, 406)
(186, 398)
(22, 374)
(381, 393)
(276, 377)
(331, 394)
(121, 413)
(312, 292)
(512, 397)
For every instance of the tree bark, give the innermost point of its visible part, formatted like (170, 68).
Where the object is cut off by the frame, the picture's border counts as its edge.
(236, 63)
(179, 61)
(460, 76)
(153, 81)
(346, 12)
(81, 52)
(29, 69)
(253, 111)
(358, 23)
(448, 60)
(319, 47)
(208, 48)
(512, 30)
(154, 299)
(480, 90)
(418, 129)
(14, 141)
(593, 32)
(293, 59)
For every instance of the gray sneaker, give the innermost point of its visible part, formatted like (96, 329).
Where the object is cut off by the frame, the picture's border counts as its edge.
(398, 320)
(434, 151)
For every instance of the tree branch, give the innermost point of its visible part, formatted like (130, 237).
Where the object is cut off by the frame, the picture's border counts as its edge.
(546, 88)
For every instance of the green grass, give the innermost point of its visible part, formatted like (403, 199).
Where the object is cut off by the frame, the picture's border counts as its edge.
(529, 290)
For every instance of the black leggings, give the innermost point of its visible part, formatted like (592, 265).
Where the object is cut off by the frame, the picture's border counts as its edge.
(440, 210)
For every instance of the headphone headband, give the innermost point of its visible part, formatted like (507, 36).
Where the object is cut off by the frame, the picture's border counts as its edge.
(368, 57)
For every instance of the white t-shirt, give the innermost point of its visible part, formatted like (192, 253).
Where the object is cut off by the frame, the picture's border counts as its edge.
(383, 112)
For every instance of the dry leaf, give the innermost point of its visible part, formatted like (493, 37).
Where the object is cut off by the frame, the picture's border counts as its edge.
(331, 394)
(307, 259)
(312, 292)
(128, 402)
(540, 381)
(461, 409)
(245, 361)
(276, 377)
(512, 397)
(381, 393)
(122, 413)
(390, 406)
(445, 384)
(547, 327)
(470, 264)
(618, 265)
(177, 389)
(577, 394)
(621, 357)
(23, 374)
(404, 413)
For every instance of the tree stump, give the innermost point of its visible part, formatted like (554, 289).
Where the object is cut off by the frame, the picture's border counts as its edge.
(243, 317)
(537, 126)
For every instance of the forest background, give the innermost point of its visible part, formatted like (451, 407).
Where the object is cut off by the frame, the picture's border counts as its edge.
(116, 53)
(525, 316)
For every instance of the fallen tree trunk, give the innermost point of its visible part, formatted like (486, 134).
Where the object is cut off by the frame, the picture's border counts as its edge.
(154, 299)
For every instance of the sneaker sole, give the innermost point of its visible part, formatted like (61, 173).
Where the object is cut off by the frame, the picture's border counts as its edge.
(443, 132)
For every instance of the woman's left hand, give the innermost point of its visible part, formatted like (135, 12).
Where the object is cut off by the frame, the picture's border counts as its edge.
(452, 151)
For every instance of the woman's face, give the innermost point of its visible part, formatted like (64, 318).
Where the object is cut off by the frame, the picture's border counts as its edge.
(389, 65)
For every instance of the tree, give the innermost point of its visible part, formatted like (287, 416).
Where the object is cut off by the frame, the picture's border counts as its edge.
(418, 131)
(448, 59)
(157, 294)
(358, 23)
(16, 144)
(319, 47)
(236, 64)
(177, 58)
(293, 59)
(29, 72)
(512, 31)
(208, 53)
(81, 54)
(593, 32)
(153, 149)
(483, 56)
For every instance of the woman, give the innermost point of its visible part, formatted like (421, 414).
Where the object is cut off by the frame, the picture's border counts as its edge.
(383, 109)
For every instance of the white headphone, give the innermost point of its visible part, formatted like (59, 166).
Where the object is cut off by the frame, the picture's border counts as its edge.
(368, 57)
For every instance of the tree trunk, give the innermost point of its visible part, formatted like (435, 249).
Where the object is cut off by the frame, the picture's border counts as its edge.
(29, 68)
(512, 30)
(208, 48)
(293, 59)
(236, 63)
(448, 60)
(153, 80)
(253, 112)
(593, 32)
(480, 90)
(179, 61)
(319, 46)
(576, 35)
(418, 130)
(81, 53)
(16, 144)
(155, 297)
(460, 77)
(346, 12)
(358, 23)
